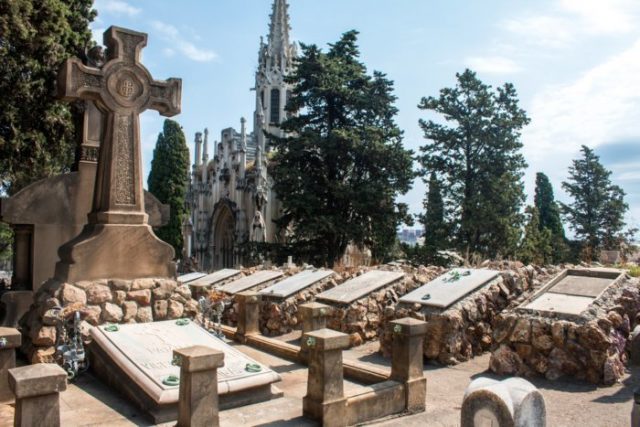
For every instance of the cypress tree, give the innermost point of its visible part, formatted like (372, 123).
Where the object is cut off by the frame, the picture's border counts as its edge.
(549, 213)
(597, 212)
(435, 230)
(168, 180)
(536, 246)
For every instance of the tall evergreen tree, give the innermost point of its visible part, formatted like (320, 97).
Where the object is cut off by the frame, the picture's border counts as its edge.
(435, 229)
(597, 212)
(341, 168)
(549, 213)
(537, 245)
(37, 134)
(168, 180)
(479, 158)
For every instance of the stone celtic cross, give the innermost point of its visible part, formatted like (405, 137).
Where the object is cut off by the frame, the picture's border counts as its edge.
(117, 242)
(123, 89)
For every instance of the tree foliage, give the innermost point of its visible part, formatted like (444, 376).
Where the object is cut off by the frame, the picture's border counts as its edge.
(343, 164)
(477, 154)
(537, 245)
(168, 180)
(435, 228)
(596, 214)
(549, 217)
(37, 134)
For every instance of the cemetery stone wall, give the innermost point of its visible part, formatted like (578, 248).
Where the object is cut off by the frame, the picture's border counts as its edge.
(464, 329)
(593, 346)
(100, 301)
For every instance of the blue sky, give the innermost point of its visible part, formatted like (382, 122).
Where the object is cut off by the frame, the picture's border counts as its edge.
(575, 64)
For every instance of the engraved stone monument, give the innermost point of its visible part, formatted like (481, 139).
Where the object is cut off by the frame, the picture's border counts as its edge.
(118, 229)
(137, 360)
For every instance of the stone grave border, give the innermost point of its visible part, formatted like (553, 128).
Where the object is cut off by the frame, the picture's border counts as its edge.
(591, 346)
(464, 329)
(616, 276)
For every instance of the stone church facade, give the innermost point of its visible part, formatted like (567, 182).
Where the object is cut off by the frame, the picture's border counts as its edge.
(230, 195)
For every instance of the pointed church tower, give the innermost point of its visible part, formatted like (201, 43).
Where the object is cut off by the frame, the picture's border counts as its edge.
(275, 61)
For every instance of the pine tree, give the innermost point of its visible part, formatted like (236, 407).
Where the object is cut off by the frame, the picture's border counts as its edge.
(168, 180)
(341, 168)
(537, 245)
(549, 212)
(37, 134)
(435, 229)
(478, 157)
(597, 212)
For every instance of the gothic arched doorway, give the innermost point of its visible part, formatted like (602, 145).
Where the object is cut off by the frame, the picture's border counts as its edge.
(223, 237)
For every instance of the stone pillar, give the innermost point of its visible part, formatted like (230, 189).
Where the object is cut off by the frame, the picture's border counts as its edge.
(198, 399)
(37, 389)
(314, 316)
(325, 398)
(10, 339)
(406, 360)
(248, 314)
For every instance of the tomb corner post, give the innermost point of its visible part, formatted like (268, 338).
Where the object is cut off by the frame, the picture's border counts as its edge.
(37, 389)
(248, 314)
(314, 317)
(198, 395)
(406, 360)
(10, 339)
(325, 399)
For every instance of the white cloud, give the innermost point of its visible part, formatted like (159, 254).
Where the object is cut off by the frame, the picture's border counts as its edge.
(116, 7)
(599, 107)
(170, 33)
(545, 31)
(603, 17)
(492, 64)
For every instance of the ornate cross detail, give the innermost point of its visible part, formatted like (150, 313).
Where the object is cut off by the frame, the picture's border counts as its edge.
(123, 88)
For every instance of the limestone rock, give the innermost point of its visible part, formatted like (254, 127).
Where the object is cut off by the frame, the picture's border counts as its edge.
(120, 297)
(142, 297)
(98, 294)
(160, 309)
(521, 331)
(92, 314)
(175, 310)
(111, 313)
(43, 355)
(120, 285)
(129, 311)
(505, 361)
(70, 295)
(139, 284)
(43, 336)
(164, 289)
(144, 315)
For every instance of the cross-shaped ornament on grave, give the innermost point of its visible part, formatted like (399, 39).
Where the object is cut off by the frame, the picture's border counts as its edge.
(117, 242)
(123, 89)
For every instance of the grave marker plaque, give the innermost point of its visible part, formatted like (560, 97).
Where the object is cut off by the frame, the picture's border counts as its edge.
(251, 281)
(139, 357)
(450, 287)
(295, 283)
(360, 286)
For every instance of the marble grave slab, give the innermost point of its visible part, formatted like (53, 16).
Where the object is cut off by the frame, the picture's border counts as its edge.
(143, 353)
(296, 283)
(581, 286)
(190, 277)
(213, 278)
(251, 281)
(360, 286)
(448, 288)
(562, 303)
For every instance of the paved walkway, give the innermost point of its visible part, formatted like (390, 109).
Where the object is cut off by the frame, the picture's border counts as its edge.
(88, 402)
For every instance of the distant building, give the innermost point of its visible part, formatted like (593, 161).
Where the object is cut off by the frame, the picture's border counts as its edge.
(231, 196)
(410, 236)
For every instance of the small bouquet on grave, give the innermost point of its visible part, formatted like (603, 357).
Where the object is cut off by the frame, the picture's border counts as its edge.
(216, 296)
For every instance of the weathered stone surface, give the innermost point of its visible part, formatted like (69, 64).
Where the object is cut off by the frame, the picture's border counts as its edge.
(160, 310)
(98, 294)
(92, 314)
(120, 285)
(139, 284)
(144, 315)
(129, 311)
(505, 361)
(163, 289)
(120, 297)
(521, 331)
(175, 309)
(111, 313)
(71, 295)
(44, 336)
(142, 297)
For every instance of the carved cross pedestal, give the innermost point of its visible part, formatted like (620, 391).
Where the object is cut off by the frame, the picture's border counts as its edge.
(117, 241)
